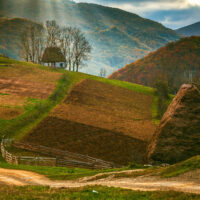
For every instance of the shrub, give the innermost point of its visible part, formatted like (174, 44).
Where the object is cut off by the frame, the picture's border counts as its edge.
(162, 91)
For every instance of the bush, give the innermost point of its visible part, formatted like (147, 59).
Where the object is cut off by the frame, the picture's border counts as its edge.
(162, 91)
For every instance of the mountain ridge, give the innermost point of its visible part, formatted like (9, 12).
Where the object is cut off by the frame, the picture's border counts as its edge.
(193, 29)
(138, 36)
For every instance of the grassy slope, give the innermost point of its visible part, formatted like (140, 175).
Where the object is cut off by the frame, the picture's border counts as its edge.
(57, 173)
(24, 123)
(34, 111)
(63, 173)
(181, 168)
(189, 165)
(19, 126)
(36, 192)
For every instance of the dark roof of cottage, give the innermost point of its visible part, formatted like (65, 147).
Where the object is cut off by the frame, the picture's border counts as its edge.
(53, 54)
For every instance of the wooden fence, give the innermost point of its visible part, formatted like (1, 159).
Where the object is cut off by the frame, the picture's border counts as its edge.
(66, 157)
(9, 158)
(25, 160)
(57, 157)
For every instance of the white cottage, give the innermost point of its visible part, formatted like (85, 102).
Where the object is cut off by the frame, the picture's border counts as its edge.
(53, 57)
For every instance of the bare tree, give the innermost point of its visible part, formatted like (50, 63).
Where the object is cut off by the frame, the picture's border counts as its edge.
(32, 43)
(66, 45)
(81, 49)
(25, 48)
(40, 43)
(53, 33)
(72, 42)
(102, 72)
(75, 47)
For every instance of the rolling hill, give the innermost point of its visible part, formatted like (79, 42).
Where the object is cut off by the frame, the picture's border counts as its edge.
(102, 118)
(11, 30)
(24, 90)
(117, 37)
(177, 62)
(191, 30)
(99, 120)
(106, 119)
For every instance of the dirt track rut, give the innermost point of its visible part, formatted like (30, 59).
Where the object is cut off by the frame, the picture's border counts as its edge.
(145, 183)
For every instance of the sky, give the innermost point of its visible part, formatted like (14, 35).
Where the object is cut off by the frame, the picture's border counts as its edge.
(171, 13)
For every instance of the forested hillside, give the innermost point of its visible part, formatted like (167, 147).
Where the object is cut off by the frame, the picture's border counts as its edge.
(10, 35)
(117, 37)
(176, 63)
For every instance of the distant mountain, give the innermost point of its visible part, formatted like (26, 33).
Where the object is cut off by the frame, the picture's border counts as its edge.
(117, 37)
(178, 62)
(190, 30)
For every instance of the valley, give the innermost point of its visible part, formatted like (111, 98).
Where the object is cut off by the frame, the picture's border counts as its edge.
(76, 124)
(71, 122)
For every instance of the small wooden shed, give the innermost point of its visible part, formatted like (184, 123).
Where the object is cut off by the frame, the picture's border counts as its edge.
(53, 57)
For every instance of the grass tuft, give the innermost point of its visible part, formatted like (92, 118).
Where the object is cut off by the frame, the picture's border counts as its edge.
(181, 168)
(89, 193)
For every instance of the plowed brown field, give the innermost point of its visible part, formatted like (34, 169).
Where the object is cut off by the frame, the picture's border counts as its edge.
(109, 107)
(99, 120)
(17, 82)
(9, 113)
(27, 81)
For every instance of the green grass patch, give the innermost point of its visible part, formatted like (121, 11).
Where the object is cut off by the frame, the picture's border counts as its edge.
(57, 173)
(181, 168)
(166, 172)
(88, 193)
(37, 110)
(130, 86)
(3, 94)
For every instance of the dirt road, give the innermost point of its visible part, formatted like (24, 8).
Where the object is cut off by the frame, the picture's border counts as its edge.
(143, 183)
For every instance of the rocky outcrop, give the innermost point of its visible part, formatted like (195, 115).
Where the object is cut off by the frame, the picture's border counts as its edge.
(178, 135)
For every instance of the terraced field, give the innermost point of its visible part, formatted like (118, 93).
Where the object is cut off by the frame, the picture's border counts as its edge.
(20, 83)
(99, 120)
(107, 119)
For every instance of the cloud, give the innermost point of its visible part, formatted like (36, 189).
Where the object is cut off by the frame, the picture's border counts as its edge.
(147, 5)
(177, 18)
(171, 13)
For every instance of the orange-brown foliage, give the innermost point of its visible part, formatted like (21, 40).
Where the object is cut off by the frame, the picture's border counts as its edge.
(175, 57)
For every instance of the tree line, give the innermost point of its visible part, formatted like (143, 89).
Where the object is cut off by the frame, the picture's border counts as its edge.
(71, 41)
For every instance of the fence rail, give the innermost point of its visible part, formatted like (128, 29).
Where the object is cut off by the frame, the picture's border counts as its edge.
(66, 155)
(57, 157)
(9, 158)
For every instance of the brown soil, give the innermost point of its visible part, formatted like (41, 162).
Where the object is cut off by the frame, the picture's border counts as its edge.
(17, 82)
(109, 107)
(27, 81)
(87, 140)
(12, 100)
(9, 113)
(26, 88)
(99, 120)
